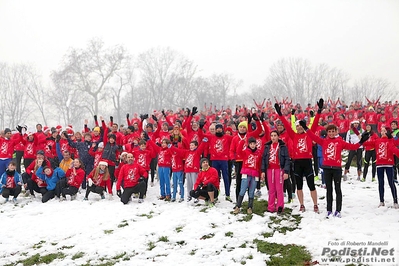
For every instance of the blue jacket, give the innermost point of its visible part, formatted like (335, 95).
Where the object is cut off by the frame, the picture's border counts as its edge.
(51, 181)
(3, 179)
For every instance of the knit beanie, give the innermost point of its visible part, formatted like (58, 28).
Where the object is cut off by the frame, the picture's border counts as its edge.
(244, 124)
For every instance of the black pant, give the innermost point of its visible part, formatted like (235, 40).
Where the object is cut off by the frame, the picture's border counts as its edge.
(358, 154)
(369, 155)
(48, 195)
(127, 192)
(69, 190)
(238, 167)
(292, 176)
(395, 168)
(27, 162)
(11, 191)
(61, 184)
(111, 169)
(230, 169)
(303, 168)
(315, 160)
(288, 187)
(25, 177)
(32, 186)
(95, 189)
(18, 159)
(333, 176)
(203, 192)
(153, 167)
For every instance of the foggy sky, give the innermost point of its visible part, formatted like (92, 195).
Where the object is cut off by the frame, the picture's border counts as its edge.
(242, 38)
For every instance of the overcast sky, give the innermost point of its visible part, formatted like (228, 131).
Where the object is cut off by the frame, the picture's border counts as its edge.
(242, 38)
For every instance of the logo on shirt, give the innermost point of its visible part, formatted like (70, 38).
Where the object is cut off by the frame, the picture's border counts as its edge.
(273, 155)
(331, 151)
(219, 145)
(382, 150)
(302, 147)
(189, 160)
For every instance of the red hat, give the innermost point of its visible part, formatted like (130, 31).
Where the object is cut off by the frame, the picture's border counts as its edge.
(69, 127)
(59, 127)
(46, 128)
(229, 129)
(70, 132)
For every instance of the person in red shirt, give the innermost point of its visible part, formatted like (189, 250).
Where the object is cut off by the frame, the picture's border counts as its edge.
(207, 185)
(98, 179)
(369, 155)
(385, 151)
(332, 147)
(74, 178)
(250, 173)
(132, 175)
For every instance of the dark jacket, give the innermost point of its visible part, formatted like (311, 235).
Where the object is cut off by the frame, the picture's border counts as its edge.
(282, 156)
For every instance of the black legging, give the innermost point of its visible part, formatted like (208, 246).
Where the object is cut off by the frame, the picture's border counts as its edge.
(127, 192)
(33, 187)
(111, 169)
(369, 155)
(315, 160)
(95, 189)
(153, 167)
(18, 159)
(333, 176)
(358, 154)
(238, 167)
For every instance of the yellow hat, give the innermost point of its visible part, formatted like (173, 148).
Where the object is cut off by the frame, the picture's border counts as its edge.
(243, 124)
(97, 129)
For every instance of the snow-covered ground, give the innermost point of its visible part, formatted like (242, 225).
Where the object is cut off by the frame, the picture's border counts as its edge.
(165, 233)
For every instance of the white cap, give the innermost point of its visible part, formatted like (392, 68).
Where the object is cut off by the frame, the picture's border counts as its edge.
(103, 162)
(101, 145)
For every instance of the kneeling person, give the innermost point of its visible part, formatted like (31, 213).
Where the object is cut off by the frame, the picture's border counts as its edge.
(132, 174)
(207, 185)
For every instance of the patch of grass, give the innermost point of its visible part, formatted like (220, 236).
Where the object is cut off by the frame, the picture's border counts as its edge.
(78, 255)
(181, 243)
(149, 216)
(243, 262)
(246, 218)
(250, 257)
(123, 224)
(54, 243)
(207, 236)
(179, 229)
(243, 245)
(119, 256)
(204, 209)
(39, 245)
(163, 239)
(108, 263)
(65, 247)
(46, 259)
(229, 234)
(151, 245)
(192, 252)
(284, 254)
(108, 232)
(213, 225)
(293, 222)
(267, 234)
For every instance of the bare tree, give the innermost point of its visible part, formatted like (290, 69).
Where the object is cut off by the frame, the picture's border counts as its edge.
(36, 92)
(88, 70)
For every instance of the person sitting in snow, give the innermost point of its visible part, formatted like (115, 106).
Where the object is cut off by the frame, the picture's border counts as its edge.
(207, 185)
(98, 179)
(11, 182)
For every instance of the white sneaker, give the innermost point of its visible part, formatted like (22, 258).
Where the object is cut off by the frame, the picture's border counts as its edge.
(345, 177)
(152, 184)
(73, 197)
(62, 198)
(141, 200)
(382, 204)
(396, 206)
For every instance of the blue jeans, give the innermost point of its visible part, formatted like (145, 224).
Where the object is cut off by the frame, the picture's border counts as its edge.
(220, 165)
(4, 165)
(249, 183)
(164, 181)
(380, 175)
(178, 180)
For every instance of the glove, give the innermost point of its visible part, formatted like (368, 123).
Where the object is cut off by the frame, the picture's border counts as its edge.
(90, 182)
(141, 179)
(320, 104)
(188, 112)
(145, 116)
(278, 109)
(205, 140)
(249, 117)
(127, 116)
(202, 124)
(111, 118)
(293, 111)
(163, 112)
(154, 118)
(169, 145)
(44, 163)
(57, 139)
(119, 193)
(95, 117)
(65, 135)
(194, 111)
(311, 113)
(303, 124)
(365, 137)
(19, 129)
(389, 133)
(255, 117)
(200, 186)
(262, 116)
(23, 131)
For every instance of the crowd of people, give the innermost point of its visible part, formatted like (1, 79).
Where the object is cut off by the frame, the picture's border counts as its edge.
(282, 144)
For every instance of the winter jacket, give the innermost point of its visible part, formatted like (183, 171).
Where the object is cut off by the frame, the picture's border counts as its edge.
(130, 174)
(283, 157)
(3, 180)
(51, 180)
(75, 180)
(209, 176)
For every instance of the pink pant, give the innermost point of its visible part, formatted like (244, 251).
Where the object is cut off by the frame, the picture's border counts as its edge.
(275, 181)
